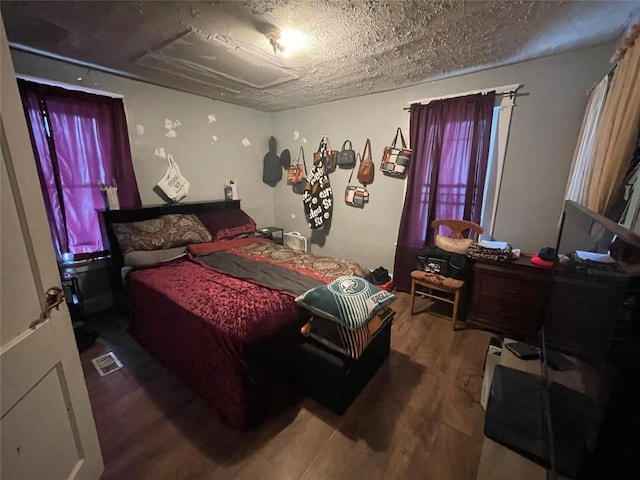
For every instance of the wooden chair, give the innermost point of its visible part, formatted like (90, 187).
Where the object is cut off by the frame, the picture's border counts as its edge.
(458, 228)
(449, 290)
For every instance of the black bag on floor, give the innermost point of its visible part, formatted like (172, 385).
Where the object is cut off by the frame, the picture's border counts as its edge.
(85, 337)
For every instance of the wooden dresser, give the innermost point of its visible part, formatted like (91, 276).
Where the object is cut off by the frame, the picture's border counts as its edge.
(583, 318)
(509, 297)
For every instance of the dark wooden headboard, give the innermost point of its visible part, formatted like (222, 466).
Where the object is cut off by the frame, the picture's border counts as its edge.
(127, 215)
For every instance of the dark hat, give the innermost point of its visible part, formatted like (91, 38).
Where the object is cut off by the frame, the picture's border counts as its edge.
(285, 159)
(537, 260)
(547, 253)
(381, 276)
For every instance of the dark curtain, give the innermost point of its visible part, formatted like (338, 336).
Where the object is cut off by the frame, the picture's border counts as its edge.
(79, 140)
(450, 142)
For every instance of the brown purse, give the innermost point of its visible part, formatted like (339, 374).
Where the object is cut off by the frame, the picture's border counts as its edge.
(297, 171)
(327, 155)
(366, 168)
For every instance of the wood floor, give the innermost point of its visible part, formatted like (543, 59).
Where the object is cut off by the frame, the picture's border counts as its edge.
(418, 418)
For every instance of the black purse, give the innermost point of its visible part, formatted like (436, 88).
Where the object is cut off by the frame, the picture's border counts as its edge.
(347, 156)
(434, 259)
(435, 265)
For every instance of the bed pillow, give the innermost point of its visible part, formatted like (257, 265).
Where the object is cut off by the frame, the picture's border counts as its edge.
(145, 258)
(228, 223)
(348, 300)
(454, 245)
(166, 231)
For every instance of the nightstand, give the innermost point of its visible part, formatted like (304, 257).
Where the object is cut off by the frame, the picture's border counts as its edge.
(272, 233)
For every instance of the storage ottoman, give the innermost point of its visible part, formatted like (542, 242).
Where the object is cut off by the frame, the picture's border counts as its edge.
(333, 379)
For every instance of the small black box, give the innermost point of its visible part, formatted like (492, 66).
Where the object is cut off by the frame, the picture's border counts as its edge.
(558, 361)
(335, 380)
(523, 350)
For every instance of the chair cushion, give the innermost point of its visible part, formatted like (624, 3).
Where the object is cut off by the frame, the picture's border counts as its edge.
(436, 280)
(455, 245)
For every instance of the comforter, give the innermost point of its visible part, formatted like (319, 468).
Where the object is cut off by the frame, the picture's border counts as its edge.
(219, 321)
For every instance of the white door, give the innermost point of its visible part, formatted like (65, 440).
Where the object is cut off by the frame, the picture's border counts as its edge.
(46, 425)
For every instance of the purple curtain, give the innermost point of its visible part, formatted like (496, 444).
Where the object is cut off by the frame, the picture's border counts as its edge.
(450, 142)
(88, 144)
(53, 202)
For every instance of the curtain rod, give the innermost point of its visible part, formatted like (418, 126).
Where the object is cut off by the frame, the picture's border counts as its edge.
(68, 86)
(510, 90)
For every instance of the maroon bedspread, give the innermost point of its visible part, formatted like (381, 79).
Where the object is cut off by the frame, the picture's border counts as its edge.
(231, 340)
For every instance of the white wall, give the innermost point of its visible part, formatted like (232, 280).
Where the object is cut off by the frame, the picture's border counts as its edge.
(544, 129)
(205, 162)
(545, 125)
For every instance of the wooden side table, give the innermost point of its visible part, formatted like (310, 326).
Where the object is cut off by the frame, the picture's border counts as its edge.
(272, 233)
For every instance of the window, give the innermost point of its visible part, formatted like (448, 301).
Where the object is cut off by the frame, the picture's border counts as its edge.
(497, 153)
(451, 195)
(79, 140)
(451, 175)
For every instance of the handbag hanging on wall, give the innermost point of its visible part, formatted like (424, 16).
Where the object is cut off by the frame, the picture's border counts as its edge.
(346, 157)
(366, 168)
(297, 170)
(326, 154)
(172, 183)
(355, 196)
(395, 161)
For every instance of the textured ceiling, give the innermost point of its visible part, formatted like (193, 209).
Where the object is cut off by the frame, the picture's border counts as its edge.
(218, 49)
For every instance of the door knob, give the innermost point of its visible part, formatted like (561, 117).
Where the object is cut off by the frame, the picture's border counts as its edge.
(53, 297)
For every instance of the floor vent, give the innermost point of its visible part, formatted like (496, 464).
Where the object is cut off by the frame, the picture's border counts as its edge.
(106, 364)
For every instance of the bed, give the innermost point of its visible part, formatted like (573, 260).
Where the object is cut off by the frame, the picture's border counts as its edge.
(222, 317)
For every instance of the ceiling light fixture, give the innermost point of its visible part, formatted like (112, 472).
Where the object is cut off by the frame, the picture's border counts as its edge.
(274, 39)
(292, 40)
(286, 41)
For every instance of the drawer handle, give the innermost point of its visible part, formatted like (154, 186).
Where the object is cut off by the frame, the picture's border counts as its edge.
(514, 291)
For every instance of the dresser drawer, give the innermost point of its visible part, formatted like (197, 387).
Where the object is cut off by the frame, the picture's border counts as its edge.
(509, 297)
(508, 316)
(510, 287)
